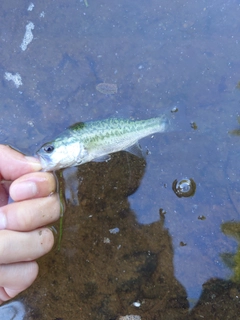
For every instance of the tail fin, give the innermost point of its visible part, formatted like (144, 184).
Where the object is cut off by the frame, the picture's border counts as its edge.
(163, 123)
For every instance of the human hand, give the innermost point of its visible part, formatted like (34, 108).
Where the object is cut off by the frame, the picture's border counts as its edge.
(22, 236)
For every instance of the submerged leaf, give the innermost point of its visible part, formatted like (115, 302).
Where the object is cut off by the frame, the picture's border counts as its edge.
(107, 88)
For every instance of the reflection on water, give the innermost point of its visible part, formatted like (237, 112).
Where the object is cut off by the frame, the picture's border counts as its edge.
(233, 260)
(155, 57)
(12, 311)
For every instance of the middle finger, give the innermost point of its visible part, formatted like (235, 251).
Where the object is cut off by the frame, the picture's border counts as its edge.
(33, 185)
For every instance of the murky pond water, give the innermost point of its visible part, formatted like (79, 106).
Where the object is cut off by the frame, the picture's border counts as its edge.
(130, 245)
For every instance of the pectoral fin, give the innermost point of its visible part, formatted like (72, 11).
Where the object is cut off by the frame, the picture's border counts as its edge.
(105, 158)
(136, 150)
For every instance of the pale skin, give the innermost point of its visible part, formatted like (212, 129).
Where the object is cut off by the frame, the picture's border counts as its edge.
(23, 237)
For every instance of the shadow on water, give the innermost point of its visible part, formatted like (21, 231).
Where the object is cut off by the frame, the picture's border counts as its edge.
(108, 261)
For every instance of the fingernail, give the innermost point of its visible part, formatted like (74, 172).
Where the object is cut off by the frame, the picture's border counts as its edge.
(24, 190)
(3, 221)
(35, 163)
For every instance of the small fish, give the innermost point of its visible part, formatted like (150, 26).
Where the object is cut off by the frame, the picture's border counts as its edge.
(95, 140)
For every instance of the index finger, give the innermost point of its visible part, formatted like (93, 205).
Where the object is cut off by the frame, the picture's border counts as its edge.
(14, 164)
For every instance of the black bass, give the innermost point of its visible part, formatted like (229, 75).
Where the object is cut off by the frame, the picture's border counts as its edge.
(95, 140)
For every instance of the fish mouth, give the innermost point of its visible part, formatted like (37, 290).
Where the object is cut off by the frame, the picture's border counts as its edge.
(48, 164)
(45, 163)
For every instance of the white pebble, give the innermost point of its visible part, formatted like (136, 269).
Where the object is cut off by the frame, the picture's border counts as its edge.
(30, 7)
(106, 240)
(16, 78)
(42, 14)
(136, 304)
(28, 36)
(114, 230)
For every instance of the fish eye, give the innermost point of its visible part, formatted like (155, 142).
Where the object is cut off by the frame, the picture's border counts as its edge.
(49, 148)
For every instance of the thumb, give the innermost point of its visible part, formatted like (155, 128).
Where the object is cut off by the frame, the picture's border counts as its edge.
(14, 164)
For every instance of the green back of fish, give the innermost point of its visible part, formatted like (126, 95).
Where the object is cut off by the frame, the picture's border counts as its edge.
(110, 131)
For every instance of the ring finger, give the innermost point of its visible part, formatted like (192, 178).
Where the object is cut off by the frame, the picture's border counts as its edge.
(33, 185)
(24, 246)
(30, 214)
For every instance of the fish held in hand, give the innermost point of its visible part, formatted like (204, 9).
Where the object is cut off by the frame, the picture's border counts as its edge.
(96, 140)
